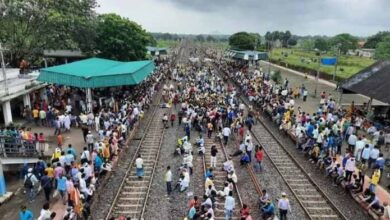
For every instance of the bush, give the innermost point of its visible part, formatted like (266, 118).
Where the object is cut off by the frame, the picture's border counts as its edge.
(277, 77)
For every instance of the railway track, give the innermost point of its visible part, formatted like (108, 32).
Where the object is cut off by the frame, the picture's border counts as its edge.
(131, 198)
(312, 199)
(220, 178)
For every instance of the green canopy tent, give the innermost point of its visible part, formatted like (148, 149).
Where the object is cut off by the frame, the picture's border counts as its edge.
(97, 73)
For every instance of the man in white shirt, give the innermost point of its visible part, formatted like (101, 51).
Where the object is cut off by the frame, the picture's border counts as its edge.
(226, 133)
(284, 206)
(358, 148)
(352, 142)
(168, 179)
(374, 154)
(349, 168)
(90, 140)
(230, 204)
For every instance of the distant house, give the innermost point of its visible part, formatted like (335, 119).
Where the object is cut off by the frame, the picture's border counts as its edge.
(369, 53)
(361, 44)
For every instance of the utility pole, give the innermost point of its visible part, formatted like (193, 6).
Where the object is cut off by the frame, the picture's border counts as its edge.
(337, 61)
(269, 57)
(3, 69)
(318, 74)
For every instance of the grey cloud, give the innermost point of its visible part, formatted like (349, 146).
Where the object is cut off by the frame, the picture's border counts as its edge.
(302, 17)
(296, 14)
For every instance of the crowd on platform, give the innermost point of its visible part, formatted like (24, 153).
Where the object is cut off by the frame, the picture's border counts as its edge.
(69, 175)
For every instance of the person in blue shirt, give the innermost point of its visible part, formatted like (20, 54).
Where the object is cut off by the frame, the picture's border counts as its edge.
(188, 131)
(209, 173)
(268, 210)
(245, 159)
(98, 163)
(25, 214)
(72, 151)
(192, 213)
(61, 186)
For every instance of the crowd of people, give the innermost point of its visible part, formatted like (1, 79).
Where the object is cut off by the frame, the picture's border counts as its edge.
(338, 139)
(210, 106)
(71, 176)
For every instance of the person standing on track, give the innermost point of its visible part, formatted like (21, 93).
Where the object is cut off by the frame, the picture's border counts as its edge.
(168, 180)
(226, 133)
(230, 204)
(173, 118)
(284, 206)
(249, 149)
(213, 160)
(165, 120)
(259, 158)
(210, 128)
(139, 162)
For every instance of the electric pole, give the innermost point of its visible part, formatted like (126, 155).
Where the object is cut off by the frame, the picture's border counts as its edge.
(3, 69)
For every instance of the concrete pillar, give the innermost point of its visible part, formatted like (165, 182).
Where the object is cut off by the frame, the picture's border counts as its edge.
(7, 112)
(26, 100)
(89, 100)
(42, 94)
(3, 188)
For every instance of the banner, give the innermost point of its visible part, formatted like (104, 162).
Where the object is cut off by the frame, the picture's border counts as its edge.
(329, 61)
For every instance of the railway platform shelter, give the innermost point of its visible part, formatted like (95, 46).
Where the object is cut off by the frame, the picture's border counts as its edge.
(246, 55)
(97, 73)
(156, 51)
(374, 83)
(85, 74)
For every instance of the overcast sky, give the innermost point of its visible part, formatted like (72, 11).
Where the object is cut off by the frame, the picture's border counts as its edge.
(301, 17)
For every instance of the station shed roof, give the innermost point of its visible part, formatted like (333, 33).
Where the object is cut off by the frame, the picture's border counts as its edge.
(246, 54)
(63, 53)
(373, 82)
(156, 50)
(97, 73)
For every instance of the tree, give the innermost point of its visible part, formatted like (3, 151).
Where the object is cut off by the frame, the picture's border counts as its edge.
(373, 41)
(321, 44)
(200, 38)
(120, 39)
(344, 42)
(242, 41)
(257, 40)
(382, 50)
(268, 36)
(307, 44)
(292, 42)
(276, 77)
(284, 37)
(210, 38)
(30, 26)
(276, 35)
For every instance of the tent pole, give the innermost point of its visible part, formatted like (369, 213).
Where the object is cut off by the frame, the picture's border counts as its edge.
(369, 104)
(89, 100)
(341, 97)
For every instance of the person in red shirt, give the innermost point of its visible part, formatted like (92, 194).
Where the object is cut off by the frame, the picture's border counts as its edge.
(173, 118)
(241, 132)
(41, 140)
(259, 158)
(244, 212)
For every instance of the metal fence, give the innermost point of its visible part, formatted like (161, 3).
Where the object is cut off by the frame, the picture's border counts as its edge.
(13, 147)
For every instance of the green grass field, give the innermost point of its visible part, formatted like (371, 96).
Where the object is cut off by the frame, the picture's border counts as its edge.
(347, 65)
(167, 43)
